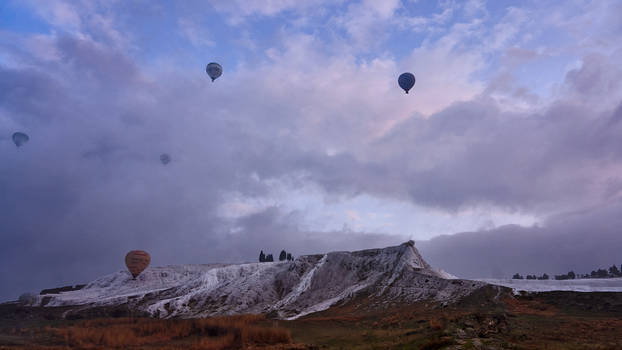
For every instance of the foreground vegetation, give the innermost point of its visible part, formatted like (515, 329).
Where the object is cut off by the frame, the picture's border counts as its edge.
(491, 319)
(231, 332)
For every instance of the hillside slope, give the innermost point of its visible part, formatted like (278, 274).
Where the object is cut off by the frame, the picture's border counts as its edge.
(287, 289)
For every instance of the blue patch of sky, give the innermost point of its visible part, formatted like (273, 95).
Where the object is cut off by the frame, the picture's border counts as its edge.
(18, 18)
(404, 38)
(231, 44)
(538, 74)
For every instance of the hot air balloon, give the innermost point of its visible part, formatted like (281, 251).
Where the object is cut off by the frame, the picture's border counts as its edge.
(214, 70)
(19, 138)
(165, 158)
(137, 261)
(406, 81)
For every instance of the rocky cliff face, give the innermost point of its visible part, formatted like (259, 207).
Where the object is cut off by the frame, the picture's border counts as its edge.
(287, 289)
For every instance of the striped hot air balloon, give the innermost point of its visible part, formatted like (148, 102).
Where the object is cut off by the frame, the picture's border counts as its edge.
(137, 261)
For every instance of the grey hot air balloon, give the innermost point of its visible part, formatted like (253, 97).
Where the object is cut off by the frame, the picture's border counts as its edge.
(165, 158)
(19, 138)
(214, 70)
(406, 81)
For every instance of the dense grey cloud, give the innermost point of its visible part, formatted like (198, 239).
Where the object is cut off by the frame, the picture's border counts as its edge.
(92, 187)
(474, 154)
(579, 241)
(89, 186)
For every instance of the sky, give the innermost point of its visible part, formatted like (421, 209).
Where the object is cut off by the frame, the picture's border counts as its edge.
(505, 157)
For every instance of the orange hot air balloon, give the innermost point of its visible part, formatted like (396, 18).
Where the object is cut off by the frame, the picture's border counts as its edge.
(137, 261)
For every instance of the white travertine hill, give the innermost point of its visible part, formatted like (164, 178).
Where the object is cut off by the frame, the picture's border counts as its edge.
(288, 289)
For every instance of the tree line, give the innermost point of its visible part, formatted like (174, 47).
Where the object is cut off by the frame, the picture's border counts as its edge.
(269, 258)
(611, 272)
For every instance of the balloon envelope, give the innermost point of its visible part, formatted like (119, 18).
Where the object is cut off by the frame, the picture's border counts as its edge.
(214, 70)
(165, 158)
(406, 81)
(137, 261)
(19, 138)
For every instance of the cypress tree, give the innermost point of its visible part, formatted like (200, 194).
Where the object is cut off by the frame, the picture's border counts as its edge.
(262, 257)
(283, 255)
(269, 258)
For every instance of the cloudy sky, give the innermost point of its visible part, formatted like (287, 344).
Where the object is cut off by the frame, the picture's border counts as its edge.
(505, 157)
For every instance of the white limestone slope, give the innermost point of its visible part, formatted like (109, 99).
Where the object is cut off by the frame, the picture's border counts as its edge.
(287, 289)
(576, 285)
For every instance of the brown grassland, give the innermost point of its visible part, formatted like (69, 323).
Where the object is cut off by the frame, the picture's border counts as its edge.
(227, 332)
(488, 320)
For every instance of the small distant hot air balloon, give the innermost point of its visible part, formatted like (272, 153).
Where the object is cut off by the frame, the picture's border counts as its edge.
(214, 70)
(137, 261)
(406, 81)
(165, 158)
(19, 138)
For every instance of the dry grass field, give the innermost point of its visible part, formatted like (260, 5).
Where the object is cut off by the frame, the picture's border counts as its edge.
(563, 320)
(229, 332)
